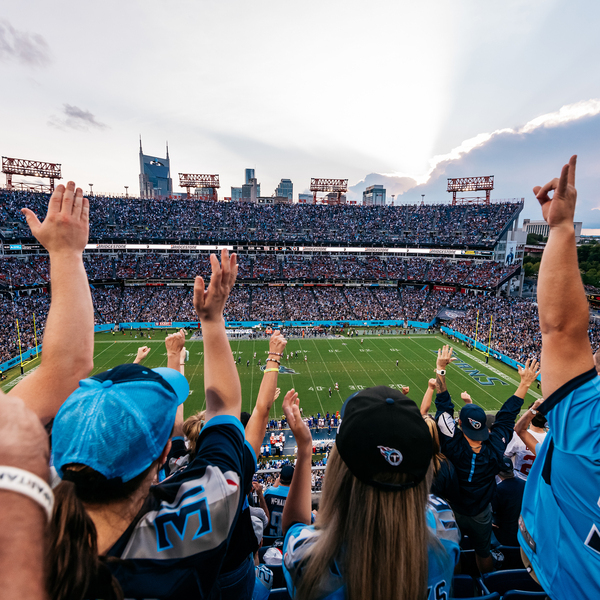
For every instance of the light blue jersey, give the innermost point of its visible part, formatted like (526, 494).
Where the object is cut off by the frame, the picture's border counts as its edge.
(441, 523)
(559, 528)
(263, 583)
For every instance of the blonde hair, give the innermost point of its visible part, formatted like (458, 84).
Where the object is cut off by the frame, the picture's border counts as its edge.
(438, 456)
(192, 427)
(379, 538)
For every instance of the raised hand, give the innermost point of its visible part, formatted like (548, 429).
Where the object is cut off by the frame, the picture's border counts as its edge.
(210, 303)
(66, 226)
(529, 372)
(277, 343)
(466, 398)
(560, 209)
(431, 384)
(291, 409)
(444, 357)
(405, 389)
(142, 352)
(175, 343)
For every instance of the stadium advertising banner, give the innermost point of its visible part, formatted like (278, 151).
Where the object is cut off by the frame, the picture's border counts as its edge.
(444, 288)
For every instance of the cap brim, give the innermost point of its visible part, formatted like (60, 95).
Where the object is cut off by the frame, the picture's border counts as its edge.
(177, 381)
(477, 436)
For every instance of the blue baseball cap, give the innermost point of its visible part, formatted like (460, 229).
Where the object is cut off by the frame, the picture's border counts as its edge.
(473, 421)
(118, 422)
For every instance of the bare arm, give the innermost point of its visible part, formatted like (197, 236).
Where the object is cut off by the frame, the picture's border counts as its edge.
(174, 344)
(68, 349)
(298, 504)
(258, 488)
(563, 308)
(444, 358)
(257, 424)
(142, 352)
(528, 375)
(221, 380)
(522, 427)
(428, 396)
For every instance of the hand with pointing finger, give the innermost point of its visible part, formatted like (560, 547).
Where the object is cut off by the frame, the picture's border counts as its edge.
(66, 226)
(559, 210)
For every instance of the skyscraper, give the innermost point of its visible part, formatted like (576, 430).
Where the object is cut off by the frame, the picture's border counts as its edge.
(285, 189)
(374, 195)
(155, 175)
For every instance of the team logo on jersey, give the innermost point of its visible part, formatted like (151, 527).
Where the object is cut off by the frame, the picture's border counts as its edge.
(393, 456)
(474, 424)
(282, 370)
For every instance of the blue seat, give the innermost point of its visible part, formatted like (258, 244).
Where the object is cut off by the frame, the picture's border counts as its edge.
(279, 594)
(505, 581)
(463, 586)
(468, 563)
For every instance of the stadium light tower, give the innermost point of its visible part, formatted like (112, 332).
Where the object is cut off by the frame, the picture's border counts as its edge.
(471, 184)
(30, 168)
(126, 191)
(91, 189)
(336, 186)
(193, 180)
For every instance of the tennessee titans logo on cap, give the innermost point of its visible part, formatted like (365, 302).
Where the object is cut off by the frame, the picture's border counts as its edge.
(474, 424)
(393, 456)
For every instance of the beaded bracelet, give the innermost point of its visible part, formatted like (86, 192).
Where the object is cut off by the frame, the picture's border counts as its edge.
(275, 353)
(273, 360)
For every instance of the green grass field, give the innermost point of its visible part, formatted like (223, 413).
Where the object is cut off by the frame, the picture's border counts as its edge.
(345, 360)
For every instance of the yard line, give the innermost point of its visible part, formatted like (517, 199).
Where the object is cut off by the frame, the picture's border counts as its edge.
(313, 381)
(359, 362)
(252, 370)
(200, 362)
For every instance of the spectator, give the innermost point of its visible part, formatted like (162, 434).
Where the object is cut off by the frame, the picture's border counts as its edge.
(476, 453)
(558, 530)
(375, 536)
(275, 497)
(506, 505)
(529, 432)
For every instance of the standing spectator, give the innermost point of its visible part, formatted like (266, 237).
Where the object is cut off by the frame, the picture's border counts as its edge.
(476, 453)
(276, 497)
(506, 505)
(560, 518)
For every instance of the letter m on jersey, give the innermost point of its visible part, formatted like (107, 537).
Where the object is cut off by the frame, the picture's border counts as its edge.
(190, 512)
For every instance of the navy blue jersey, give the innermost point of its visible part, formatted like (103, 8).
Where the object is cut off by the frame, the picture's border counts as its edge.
(506, 505)
(560, 518)
(476, 471)
(176, 545)
(275, 498)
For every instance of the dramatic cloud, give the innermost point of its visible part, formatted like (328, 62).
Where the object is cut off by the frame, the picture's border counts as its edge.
(23, 47)
(74, 117)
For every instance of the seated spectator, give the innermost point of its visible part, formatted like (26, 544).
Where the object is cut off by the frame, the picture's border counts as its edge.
(376, 535)
(506, 505)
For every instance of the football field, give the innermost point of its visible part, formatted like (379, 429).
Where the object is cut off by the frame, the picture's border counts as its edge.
(343, 360)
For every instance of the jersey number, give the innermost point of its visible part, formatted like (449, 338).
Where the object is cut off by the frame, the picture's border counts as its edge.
(527, 464)
(439, 592)
(276, 523)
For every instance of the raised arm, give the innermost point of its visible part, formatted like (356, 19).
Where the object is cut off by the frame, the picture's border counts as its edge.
(298, 504)
(427, 397)
(142, 352)
(68, 348)
(522, 427)
(562, 305)
(174, 343)
(443, 402)
(257, 425)
(221, 380)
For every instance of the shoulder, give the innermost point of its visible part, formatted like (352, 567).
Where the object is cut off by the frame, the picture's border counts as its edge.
(441, 520)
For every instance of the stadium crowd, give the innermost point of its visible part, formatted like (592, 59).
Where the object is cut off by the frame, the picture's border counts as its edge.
(126, 499)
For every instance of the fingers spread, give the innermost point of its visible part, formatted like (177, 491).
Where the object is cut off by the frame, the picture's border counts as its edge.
(31, 219)
(67, 199)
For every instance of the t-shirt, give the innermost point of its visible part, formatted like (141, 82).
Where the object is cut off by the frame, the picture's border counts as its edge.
(441, 524)
(175, 546)
(275, 498)
(521, 457)
(559, 529)
(263, 583)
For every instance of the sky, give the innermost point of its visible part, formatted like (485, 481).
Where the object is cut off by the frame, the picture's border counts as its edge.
(401, 93)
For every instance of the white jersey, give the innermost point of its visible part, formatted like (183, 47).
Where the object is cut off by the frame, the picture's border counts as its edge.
(521, 457)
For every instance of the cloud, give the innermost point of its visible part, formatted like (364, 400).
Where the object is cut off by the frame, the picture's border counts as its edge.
(74, 117)
(23, 47)
(393, 185)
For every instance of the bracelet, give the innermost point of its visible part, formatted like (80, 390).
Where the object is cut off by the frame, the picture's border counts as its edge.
(533, 412)
(273, 360)
(271, 371)
(275, 354)
(28, 484)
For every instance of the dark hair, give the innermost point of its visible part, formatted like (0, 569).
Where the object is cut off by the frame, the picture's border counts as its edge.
(539, 420)
(244, 418)
(73, 562)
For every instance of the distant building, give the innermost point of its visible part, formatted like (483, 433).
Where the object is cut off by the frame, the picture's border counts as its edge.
(374, 195)
(542, 228)
(332, 198)
(305, 198)
(249, 174)
(250, 190)
(285, 189)
(236, 194)
(273, 200)
(155, 176)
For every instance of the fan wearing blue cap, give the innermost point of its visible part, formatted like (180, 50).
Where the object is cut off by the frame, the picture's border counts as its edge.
(110, 438)
(477, 453)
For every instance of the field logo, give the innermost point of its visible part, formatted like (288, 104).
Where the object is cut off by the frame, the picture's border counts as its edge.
(393, 456)
(478, 376)
(283, 370)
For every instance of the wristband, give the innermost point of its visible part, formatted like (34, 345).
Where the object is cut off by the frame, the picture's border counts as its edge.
(28, 484)
(275, 354)
(271, 370)
(533, 412)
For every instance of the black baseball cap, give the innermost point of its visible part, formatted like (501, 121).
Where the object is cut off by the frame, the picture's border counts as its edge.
(382, 431)
(287, 472)
(474, 423)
